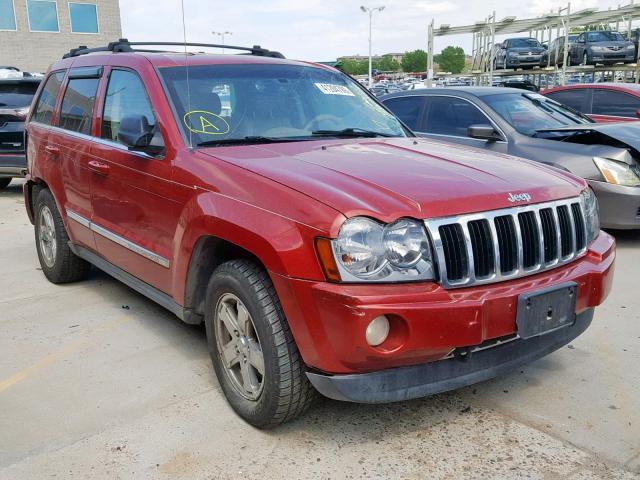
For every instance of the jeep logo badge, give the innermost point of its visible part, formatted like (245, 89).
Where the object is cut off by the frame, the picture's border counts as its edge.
(519, 197)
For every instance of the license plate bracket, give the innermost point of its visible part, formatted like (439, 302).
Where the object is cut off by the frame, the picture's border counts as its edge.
(546, 310)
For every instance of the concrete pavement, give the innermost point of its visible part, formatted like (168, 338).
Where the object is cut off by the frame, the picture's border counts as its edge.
(96, 381)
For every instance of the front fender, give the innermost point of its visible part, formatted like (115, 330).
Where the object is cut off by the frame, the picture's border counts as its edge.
(284, 246)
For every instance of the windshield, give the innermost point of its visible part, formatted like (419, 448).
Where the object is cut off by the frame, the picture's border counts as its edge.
(236, 103)
(604, 37)
(523, 43)
(528, 113)
(17, 95)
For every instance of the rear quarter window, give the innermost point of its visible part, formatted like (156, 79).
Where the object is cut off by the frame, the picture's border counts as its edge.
(47, 101)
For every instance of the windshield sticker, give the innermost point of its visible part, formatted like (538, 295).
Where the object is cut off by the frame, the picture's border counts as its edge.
(332, 89)
(206, 123)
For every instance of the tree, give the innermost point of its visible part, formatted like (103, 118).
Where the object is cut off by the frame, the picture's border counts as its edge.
(415, 61)
(451, 59)
(354, 67)
(387, 64)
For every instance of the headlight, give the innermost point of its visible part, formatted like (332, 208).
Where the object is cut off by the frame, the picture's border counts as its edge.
(366, 250)
(592, 214)
(631, 47)
(617, 173)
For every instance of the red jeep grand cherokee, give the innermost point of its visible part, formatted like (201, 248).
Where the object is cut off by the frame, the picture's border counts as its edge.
(323, 245)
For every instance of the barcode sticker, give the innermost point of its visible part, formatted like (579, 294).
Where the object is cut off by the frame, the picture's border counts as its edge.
(331, 89)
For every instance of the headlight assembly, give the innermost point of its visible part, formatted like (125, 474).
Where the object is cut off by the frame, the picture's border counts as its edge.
(368, 251)
(592, 214)
(617, 173)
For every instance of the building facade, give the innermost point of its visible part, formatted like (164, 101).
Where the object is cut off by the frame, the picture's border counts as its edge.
(35, 33)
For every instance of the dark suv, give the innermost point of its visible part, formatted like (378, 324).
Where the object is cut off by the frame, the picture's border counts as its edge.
(15, 98)
(601, 47)
(519, 53)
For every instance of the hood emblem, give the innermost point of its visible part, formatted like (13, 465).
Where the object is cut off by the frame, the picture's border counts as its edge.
(519, 197)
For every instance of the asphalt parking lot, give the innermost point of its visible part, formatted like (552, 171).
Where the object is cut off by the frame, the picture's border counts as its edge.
(96, 381)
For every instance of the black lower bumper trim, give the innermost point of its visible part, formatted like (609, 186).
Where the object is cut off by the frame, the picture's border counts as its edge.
(416, 381)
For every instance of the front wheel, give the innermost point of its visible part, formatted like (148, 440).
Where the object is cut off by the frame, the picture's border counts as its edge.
(585, 59)
(4, 182)
(253, 351)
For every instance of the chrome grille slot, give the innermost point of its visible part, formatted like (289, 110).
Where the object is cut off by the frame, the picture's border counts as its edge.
(510, 243)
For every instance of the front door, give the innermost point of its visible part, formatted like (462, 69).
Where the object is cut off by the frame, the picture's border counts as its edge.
(134, 216)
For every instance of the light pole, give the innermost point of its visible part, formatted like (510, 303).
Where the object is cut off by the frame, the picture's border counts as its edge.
(222, 34)
(370, 11)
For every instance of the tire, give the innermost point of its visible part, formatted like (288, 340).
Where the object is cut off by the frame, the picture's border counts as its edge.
(4, 182)
(59, 264)
(282, 392)
(585, 59)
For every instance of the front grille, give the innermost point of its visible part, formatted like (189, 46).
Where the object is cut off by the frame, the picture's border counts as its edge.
(504, 244)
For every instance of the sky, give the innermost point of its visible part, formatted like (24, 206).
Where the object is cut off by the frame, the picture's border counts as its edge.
(322, 30)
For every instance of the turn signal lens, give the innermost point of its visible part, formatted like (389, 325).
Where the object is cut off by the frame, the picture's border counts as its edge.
(327, 260)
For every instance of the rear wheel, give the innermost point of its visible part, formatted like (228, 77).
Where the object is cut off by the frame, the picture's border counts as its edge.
(4, 182)
(254, 354)
(59, 264)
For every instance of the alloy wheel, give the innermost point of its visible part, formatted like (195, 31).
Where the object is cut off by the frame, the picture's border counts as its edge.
(239, 347)
(47, 237)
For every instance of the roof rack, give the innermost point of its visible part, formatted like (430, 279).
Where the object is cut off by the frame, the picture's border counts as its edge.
(124, 45)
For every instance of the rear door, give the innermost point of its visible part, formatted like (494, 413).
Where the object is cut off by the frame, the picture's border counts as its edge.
(135, 214)
(614, 106)
(70, 144)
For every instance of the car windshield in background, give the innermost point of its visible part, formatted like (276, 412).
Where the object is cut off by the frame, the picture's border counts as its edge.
(528, 113)
(17, 95)
(604, 37)
(234, 104)
(523, 43)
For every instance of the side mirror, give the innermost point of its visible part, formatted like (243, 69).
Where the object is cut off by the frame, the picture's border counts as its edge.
(136, 133)
(483, 132)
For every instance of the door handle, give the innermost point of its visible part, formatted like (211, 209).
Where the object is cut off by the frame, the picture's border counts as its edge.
(51, 150)
(98, 167)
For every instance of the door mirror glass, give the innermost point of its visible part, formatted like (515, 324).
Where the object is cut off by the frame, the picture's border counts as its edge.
(136, 133)
(483, 132)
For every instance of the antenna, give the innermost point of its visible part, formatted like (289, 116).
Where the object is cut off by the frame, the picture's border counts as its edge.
(186, 67)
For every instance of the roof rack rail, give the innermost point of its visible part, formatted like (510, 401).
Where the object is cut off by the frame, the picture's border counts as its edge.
(124, 45)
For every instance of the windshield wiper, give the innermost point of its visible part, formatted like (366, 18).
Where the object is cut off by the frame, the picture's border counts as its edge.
(251, 139)
(350, 132)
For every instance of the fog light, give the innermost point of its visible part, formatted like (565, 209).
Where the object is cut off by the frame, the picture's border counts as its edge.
(377, 331)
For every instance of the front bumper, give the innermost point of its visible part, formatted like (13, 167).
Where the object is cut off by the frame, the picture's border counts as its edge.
(613, 57)
(328, 320)
(416, 381)
(532, 61)
(619, 205)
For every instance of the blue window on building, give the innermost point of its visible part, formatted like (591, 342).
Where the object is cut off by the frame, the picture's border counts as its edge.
(84, 17)
(43, 16)
(7, 15)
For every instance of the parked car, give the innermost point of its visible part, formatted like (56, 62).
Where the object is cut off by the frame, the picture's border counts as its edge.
(16, 95)
(323, 245)
(601, 46)
(554, 55)
(519, 53)
(521, 84)
(603, 102)
(535, 127)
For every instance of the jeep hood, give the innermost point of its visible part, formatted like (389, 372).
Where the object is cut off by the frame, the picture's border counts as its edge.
(390, 178)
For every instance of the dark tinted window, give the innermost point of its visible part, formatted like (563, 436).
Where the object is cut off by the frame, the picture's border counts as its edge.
(452, 116)
(523, 43)
(126, 96)
(604, 36)
(608, 102)
(17, 94)
(573, 98)
(47, 101)
(77, 105)
(407, 109)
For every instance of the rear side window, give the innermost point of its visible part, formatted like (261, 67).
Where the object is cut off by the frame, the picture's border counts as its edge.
(17, 94)
(47, 101)
(126, 96)
(452, 116)
(574, 98)
(77, 105)
(407, 109)
(618, 104)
